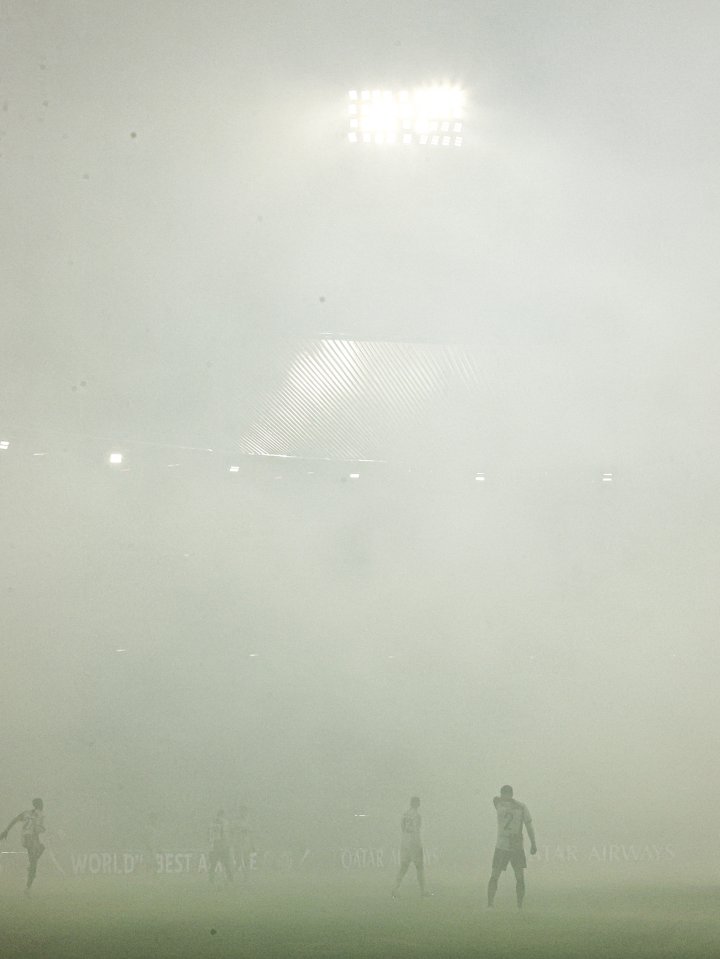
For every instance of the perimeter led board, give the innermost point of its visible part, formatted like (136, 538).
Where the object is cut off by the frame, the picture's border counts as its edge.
(428, 116)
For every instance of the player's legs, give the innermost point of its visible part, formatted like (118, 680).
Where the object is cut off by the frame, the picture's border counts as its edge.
(226, 859)
(501, 857)
(492, 886)
(34, 850)
(519, 884)
(213, 859)
(420, 871)
(404, 866)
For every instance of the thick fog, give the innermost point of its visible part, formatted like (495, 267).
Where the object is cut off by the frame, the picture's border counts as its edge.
(182, 215)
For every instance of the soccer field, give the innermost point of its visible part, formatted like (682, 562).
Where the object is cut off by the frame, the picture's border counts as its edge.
(353, 917)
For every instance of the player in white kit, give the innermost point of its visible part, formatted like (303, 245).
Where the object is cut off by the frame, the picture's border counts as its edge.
(220, 847)
(411, 849)
(33, 824)
(512, 816)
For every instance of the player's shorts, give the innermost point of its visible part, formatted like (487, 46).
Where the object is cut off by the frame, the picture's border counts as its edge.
(413, 854)
(502, 857)
(33, 845)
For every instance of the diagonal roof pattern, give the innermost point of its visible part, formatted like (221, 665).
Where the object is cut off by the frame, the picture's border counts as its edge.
(348, 399)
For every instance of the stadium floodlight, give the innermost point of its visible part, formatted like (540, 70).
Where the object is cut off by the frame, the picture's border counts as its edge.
(607, 477)
(234, 469)
(479, 477)
(431, 115)
(354, 476)
(116, 459)
(4, 444)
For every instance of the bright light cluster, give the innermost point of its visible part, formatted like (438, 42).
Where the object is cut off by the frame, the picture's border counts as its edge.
(429, 116)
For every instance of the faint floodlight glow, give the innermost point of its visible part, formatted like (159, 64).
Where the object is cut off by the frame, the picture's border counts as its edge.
(252, 655)
(354, 476)
(116, 459)
(121, 650)
(4, 444)
(479, 477)
(384, 117)
(607, 477)
(234, 469)
(39, 454)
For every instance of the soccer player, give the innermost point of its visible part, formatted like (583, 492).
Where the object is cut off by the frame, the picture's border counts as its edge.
(151, 844)
(244, 845)
(33, 824)
(511, 817)
(220, 847)
(411, 849)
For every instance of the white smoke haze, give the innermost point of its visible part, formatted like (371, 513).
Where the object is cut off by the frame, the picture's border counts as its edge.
(182, 216)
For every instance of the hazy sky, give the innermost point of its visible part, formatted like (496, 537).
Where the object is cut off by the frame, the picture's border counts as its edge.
(177, 198)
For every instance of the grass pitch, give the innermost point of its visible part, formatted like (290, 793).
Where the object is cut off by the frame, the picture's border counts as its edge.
(353, 917)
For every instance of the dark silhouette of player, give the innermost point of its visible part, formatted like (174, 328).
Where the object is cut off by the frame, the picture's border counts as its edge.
(220, 847)
(511, 817)
(411, 849)
(33, 824)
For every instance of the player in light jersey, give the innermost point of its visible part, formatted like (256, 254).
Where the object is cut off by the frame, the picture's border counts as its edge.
(33, 824)
(511, 817)
(244, 844)
(411, 849)
(220, 847)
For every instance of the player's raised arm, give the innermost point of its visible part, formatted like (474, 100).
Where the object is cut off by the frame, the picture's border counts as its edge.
(4, 834)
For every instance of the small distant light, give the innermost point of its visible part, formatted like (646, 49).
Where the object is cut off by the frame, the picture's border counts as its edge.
(360, 815)
(607, 477)
(121, 650)
(479, 477)
(4, 444)
(116, 458)
(354, 476)
(39, 454)
(170, 465)
(234, 469)
(252, 656)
